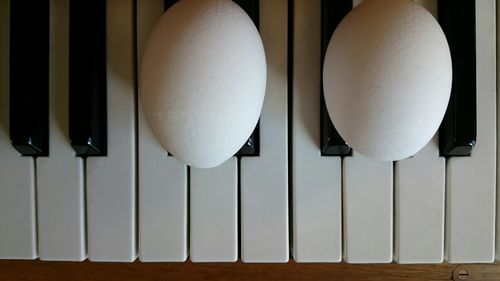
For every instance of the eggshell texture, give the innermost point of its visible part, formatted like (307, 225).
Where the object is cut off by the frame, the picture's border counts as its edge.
(203, 80)
(387, 78)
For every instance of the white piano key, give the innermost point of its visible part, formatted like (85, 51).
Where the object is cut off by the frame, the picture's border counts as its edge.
(367, 202)
(162, 179)
(419, 198)
(111, 180)
(317, 205)
(60, 191)
(17, 189)
(264, 179)
(470, 181)
(214, 213)
(497, 242)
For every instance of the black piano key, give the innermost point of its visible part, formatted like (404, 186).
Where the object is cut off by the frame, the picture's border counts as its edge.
(457, 134)
(251, 146)
(29, 77)
(332, 12)
(87, 77)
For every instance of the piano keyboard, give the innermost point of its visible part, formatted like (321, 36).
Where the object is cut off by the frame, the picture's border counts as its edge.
(290, 201)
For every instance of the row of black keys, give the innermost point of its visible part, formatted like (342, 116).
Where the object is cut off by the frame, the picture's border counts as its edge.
(29, 79)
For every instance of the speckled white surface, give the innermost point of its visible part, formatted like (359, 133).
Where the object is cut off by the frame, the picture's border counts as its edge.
(387, 78)
(203, 80)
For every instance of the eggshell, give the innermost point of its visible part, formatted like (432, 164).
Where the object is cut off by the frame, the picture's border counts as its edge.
(387, 78)
(203, 80)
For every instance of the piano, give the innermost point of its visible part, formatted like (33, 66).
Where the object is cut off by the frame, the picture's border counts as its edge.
(120, 197)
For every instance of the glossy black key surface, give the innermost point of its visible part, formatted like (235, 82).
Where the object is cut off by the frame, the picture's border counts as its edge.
(251, 146)
(29, 77)
(332, 12)
(457, 134)
(87, 77)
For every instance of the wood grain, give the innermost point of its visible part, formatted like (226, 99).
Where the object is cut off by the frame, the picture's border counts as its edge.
(68, 271)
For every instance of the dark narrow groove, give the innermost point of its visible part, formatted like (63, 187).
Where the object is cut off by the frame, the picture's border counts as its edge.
(85, 222)
(35, 203)
(290, 120)
(136, 118)
(394, 214)
(188, 211)
(445, 212)
(238, 196)
(342, 220)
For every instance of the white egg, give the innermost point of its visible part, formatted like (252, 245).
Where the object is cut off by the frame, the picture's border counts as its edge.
(387, 78)
(203, 80)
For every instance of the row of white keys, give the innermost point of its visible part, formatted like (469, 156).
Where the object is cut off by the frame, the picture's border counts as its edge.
(162, 178)
(317, 206)
(111, 180)
(264, 179)
(214, 213)
(367, 205)
(470, 181)
(59, 177)
(17, 188)
(419, 197)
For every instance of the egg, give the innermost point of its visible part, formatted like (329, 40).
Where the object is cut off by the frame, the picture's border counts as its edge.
(387, 78)
(203, 80)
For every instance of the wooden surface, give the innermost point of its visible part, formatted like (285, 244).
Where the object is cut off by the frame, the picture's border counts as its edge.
(68, 271)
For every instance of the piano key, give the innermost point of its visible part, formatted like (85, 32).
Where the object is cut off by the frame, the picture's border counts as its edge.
(214, 213)
(457, 134)
(59, 177)
(367, 187)
(214, 201)
(17, 190)
(251, 146)
(332, 12)
(497, 241)
(470, 181)
(419, 197)
(162, 178)
(264, 179)
(87, 77)
(29, 81)
(317, 205)
(111, 180)
(367, 202)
